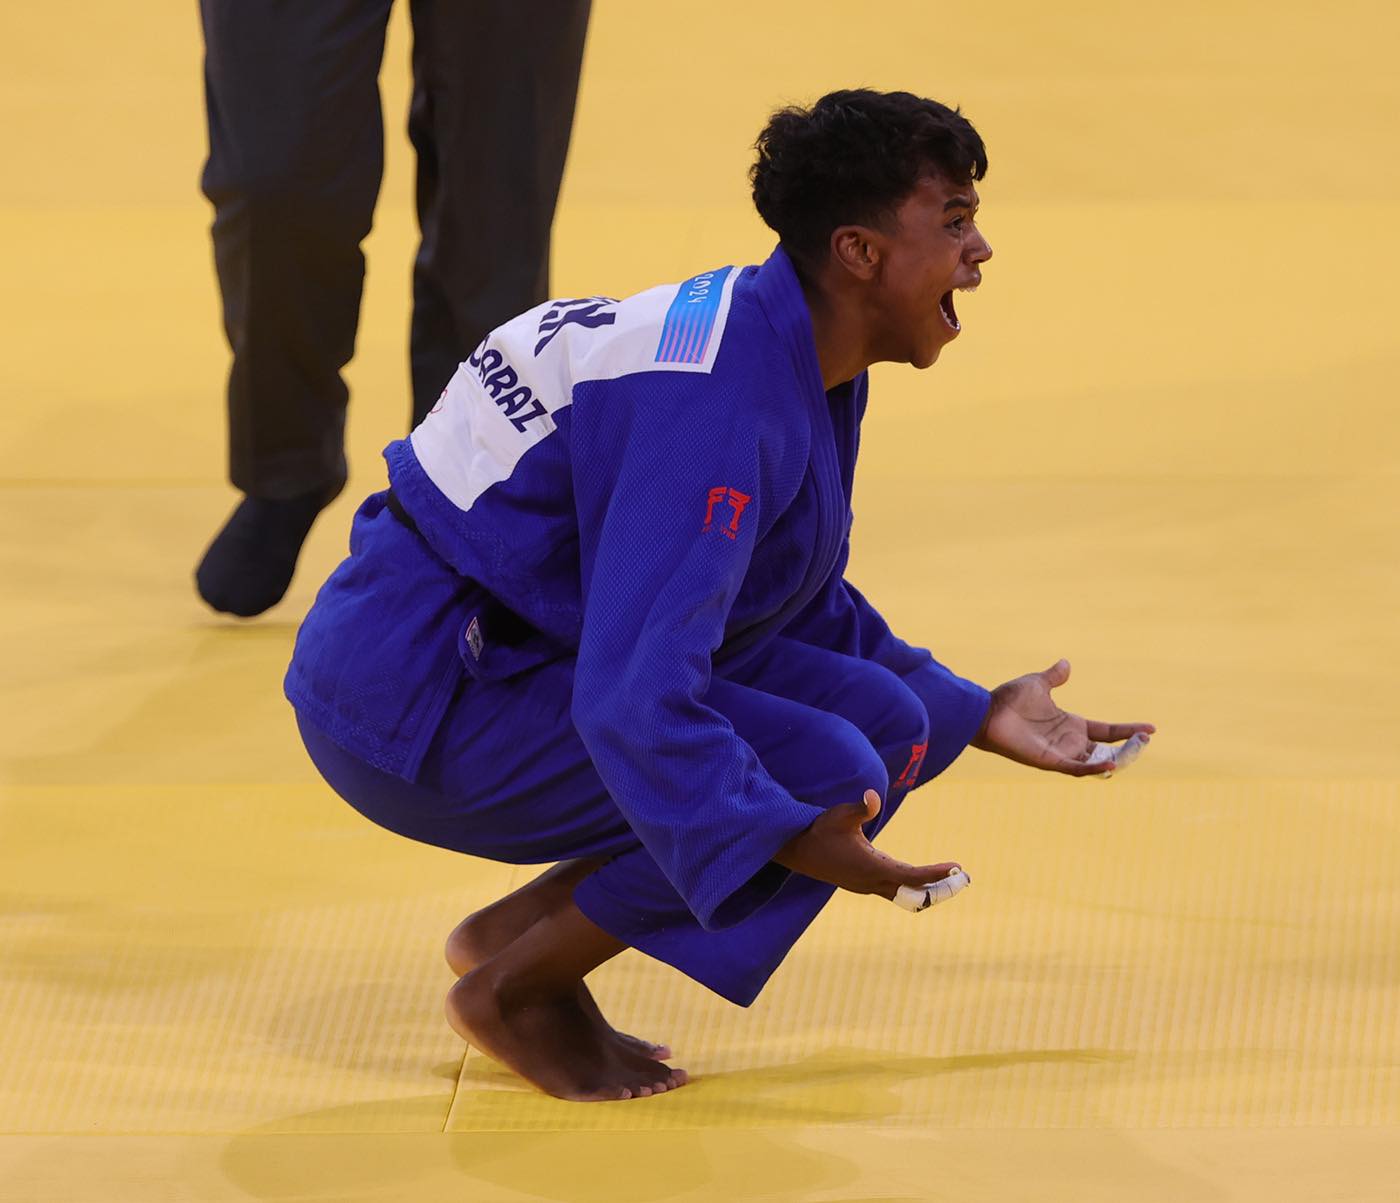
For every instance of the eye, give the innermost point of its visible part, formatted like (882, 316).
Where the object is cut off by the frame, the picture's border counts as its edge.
(957, 223)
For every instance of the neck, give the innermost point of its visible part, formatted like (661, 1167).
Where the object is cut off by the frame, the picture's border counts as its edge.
(842, 351)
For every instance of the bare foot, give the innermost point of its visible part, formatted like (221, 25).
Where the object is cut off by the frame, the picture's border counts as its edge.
(549, 1040)
(483, 934)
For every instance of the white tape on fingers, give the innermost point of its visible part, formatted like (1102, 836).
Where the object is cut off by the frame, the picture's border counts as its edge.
(920, 898)
(1117, 756)
(1131, 750)
(1101, 754)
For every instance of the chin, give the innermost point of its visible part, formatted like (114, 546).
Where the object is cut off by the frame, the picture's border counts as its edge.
(927, 358)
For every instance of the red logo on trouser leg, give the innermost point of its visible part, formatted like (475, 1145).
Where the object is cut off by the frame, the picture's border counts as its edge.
(911, 770)
(737, 501)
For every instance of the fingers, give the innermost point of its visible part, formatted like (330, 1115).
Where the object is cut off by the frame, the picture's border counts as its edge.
(1058, 673)
(923, 875)
(1111, 757)
(921, 897)
(914, 877)
(1103, 759)
(872, 805)
(854, 815)
(1112, 733)
(1083, 768)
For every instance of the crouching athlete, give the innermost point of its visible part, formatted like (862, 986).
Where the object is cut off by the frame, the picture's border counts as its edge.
(600, 616)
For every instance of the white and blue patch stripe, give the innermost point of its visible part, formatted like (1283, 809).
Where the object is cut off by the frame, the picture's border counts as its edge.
(690, 321)
(501, 402)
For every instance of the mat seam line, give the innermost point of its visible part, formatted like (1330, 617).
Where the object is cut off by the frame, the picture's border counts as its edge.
(456, 1086)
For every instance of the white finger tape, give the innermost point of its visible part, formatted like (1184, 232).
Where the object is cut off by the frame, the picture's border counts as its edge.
(920, 898)
(1117, 756)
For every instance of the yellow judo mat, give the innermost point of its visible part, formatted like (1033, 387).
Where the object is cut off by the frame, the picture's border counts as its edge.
(1165, 446)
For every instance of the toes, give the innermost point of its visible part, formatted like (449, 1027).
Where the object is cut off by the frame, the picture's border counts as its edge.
(638, 1088)
(646, 1078)
(672, 1079)
(654, 1052)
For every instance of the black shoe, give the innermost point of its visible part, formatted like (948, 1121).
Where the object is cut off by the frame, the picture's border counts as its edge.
(249, 565)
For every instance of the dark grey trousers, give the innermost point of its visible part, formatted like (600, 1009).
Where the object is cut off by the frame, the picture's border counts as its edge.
(296, 153)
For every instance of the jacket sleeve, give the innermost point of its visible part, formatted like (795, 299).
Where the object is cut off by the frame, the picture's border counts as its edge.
(840, 618)
(672, 481)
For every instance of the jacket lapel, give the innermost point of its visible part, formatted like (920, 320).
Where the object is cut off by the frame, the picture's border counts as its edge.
(780, 294)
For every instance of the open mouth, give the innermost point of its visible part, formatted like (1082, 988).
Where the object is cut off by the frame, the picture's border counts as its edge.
(950, 315)
(945, 303)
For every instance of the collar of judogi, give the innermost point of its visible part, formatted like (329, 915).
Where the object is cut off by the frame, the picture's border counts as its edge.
(779, 292)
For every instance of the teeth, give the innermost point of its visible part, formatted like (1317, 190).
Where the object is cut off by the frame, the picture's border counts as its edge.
(948, 320)
(968, 288)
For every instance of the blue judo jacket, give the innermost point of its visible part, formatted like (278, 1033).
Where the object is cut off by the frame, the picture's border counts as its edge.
(657, 485)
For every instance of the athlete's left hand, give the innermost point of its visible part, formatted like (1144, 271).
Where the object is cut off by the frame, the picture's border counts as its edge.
(1025, 725)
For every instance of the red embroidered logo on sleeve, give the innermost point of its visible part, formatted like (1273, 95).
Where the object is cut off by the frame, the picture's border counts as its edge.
(911, 770)
(736, 501)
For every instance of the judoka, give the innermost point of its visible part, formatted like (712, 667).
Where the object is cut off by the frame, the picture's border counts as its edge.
(600, 615)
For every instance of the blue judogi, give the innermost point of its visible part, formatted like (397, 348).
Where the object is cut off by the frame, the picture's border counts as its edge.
(622, 627)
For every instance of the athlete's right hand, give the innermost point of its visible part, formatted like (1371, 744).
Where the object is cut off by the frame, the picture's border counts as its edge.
(834, 849)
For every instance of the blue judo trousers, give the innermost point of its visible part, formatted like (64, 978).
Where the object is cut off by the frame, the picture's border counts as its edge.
(603, 613)
(508, 779)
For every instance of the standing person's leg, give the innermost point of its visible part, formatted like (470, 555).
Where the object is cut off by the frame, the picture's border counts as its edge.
(296, 151)
(494, 84)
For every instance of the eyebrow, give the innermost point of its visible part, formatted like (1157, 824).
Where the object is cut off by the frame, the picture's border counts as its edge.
(958, 202)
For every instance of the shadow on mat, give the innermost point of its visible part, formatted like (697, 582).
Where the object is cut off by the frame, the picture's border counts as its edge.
(477, 1167)
(838, 1086)
(860, 1086)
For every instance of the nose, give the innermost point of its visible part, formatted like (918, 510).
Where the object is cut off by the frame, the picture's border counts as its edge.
(979, 250)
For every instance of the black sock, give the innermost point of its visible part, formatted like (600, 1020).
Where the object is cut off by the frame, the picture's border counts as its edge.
(249, 565)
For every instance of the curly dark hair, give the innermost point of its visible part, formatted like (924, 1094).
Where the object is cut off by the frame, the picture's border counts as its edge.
(850, 159)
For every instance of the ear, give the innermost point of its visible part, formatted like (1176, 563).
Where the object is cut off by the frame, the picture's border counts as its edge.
(857, 249)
